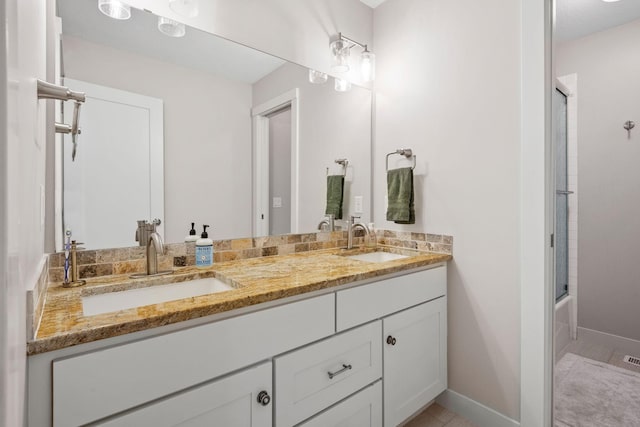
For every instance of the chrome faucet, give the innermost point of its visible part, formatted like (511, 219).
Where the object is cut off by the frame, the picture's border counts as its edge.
(154, 245)
(327, 221)
(352, 225)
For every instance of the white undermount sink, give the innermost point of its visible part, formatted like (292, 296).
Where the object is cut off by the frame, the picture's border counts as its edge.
(131, 298)
(376, 256)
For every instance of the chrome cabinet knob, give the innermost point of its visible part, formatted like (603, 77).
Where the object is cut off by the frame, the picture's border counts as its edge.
(263, 398)
(391, 340)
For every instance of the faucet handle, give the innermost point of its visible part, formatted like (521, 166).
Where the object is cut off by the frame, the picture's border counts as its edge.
(354, 217)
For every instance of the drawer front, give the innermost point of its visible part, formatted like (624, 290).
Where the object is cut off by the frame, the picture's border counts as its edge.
(315, 377)
(365, 303)
(231, 401)
(99, 384)
(363, 409)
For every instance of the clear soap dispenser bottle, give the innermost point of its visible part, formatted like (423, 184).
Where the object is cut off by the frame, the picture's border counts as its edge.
(204, 249)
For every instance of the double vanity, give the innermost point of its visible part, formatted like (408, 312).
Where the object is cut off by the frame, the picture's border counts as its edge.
(318, 338)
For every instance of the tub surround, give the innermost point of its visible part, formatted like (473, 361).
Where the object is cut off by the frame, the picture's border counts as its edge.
(255, 280)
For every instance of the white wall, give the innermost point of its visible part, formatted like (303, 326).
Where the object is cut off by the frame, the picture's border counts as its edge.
(607, 65)
(207, 135)
(332, 125)
(448, 86)
(24, 26)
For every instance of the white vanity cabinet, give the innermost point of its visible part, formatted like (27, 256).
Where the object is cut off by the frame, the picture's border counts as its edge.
(240, 400)
(415, 359)
(413, 309)
(339, 358)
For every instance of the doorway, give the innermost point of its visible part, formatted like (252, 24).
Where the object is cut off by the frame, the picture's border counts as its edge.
(275, 165)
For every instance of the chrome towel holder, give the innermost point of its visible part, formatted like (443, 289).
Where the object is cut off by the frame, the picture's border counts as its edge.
(406, 152)
(342, 162)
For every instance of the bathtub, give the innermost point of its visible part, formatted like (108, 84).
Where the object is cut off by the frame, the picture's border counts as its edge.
(565, 327)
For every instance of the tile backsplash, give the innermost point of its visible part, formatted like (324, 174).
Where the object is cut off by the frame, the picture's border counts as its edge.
(104, 262)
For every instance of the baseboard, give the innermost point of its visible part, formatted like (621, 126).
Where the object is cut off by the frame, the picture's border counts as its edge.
(620, 344)
(477, 413)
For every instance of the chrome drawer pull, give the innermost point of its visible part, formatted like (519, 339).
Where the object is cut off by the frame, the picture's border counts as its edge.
(344, 369)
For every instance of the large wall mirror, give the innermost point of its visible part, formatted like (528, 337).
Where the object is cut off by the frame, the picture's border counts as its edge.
(200, 129)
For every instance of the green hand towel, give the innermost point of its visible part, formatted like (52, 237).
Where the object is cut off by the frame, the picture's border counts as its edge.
(335, 188)
(401, 209)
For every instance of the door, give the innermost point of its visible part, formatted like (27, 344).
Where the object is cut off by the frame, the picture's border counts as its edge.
(561, 234)
(280, 172)
(118, 128)
(241, 400)
(415, 359)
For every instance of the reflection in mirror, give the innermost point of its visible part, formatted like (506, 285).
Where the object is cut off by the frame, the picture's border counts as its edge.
(215, 168)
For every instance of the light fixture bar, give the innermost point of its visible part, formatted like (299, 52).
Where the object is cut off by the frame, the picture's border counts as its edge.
(352, 41)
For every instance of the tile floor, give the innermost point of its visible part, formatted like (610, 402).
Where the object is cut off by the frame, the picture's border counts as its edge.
(438, 416)
(599, 353)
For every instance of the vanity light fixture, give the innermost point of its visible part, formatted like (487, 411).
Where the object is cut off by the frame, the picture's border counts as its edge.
(171, 28)
(340, 50)
(610, 1)
(186, 8)
(114, 9)
(317, 77)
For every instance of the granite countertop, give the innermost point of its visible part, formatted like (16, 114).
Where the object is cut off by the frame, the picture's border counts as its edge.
(255, 281)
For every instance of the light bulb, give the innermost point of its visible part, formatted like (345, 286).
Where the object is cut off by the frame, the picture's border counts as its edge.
(368, 66)
(170, 27)
(114, 9)
(342, 85)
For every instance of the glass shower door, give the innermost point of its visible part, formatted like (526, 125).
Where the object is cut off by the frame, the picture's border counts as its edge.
(561, 235)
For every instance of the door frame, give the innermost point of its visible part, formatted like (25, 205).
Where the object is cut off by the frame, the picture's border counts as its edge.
(260, 121)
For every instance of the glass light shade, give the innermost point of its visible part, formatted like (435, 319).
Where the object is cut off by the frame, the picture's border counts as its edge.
(368, 66)
(186, 8)
(114, 9)
(170, 27)
(339, 56)
(317, 77)
(342, 85)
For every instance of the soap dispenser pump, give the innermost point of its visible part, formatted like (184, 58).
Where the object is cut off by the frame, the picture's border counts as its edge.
(192, 237)
(204, 249)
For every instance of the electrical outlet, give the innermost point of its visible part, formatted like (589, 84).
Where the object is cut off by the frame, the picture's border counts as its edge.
(358, 203)
(277, 202)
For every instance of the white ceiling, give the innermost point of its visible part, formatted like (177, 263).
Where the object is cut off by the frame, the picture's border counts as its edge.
(578, 18)
(197, 49)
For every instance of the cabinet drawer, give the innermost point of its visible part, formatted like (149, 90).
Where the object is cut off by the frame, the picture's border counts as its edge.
(315, 377)
(231, 401)
(102, 383)
(363, 409)
(365, 303)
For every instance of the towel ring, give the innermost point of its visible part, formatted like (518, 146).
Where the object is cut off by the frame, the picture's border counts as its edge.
(407, 152)
(343, 163)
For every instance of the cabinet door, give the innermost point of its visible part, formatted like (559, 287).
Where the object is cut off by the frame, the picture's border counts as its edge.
(363, 409)
(415, 359)
(231, 402)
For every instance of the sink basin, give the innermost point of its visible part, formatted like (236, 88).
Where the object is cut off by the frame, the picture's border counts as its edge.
(376, 256)
(131, 298)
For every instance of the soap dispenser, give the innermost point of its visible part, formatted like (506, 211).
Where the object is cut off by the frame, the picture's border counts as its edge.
(204, 249)
(192, 237)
